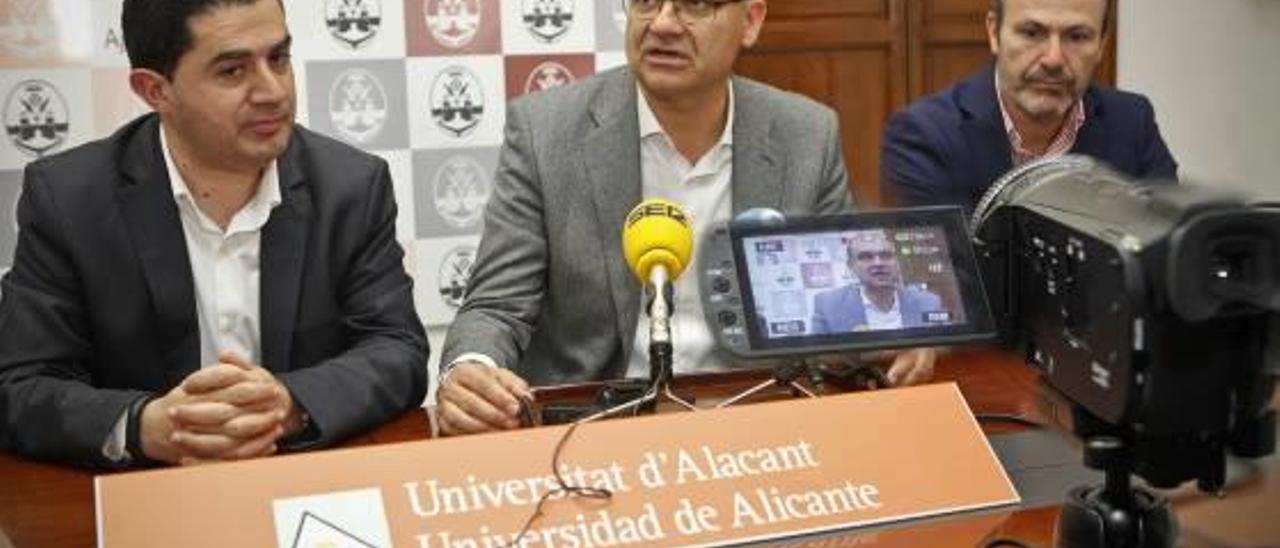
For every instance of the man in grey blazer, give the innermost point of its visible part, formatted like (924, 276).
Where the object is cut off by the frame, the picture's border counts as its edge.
(210, 282)
(551, 299)
(878, 301)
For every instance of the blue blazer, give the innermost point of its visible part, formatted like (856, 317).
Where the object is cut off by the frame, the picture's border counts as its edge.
(947, 148)
(841, 310)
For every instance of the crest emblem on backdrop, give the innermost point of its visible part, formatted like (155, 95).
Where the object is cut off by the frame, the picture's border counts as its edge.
(453, 23)
(27, 30)
(358, 105)
(36, 117)
(455, 272)
(547, 20)
(457, 101)
(460, 191)
(353, 22)
(548, 75)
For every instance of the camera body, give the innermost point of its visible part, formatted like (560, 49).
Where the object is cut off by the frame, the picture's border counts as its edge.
(1149, 307)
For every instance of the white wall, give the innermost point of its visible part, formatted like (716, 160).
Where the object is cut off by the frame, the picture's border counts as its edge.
(1212, 69)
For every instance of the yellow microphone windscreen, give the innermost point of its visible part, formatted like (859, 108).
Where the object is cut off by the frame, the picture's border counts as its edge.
(657, 232)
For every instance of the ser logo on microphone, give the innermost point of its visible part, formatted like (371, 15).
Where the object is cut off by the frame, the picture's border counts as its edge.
(657, 209)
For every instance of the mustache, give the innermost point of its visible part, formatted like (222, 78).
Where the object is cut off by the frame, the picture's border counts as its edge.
(1057, 77)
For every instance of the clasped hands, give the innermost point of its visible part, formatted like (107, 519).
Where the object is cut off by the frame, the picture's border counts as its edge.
(229, 411)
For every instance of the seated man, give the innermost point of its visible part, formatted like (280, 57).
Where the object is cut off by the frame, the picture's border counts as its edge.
(948, 148)
(879, 300)
(209, 282)
(551, 299)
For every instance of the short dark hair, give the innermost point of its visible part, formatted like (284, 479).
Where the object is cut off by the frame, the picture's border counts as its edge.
(157, 32)
(997, 7)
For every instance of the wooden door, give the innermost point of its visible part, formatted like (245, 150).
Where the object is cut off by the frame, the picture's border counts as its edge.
(848, 54)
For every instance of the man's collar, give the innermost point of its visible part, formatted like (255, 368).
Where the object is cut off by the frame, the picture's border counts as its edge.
(1075, 119)
(869, 305)
(649, 125)
(268, 186)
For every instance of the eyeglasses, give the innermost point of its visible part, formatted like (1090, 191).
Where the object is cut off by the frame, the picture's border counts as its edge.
(688, 12)
(884, 256)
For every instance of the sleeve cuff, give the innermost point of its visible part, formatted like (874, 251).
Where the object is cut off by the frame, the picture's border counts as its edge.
(114, 448)
(469, 356)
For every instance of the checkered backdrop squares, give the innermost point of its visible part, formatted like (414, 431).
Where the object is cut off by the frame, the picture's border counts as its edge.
(400, 168)
(451, 188)
(44, 112)
(347, 29)
(114, 103)
(548, 26)
(534, 73)
(106, 40)
(360, 102)
(44, 33)
(606, 60)
(455, 101)
(453, 27)
(611, 25)
(443, 269)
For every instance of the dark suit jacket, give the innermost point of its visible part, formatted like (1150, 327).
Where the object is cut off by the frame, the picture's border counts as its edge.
(946, 149)
(841, 310)
(100, 307)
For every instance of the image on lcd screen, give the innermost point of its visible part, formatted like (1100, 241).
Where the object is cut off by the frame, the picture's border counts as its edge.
(853, 281)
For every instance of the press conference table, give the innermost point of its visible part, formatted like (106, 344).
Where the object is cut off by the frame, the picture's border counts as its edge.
(47, 505)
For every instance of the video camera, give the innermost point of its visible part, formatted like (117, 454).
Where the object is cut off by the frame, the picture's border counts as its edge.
(1149, 307)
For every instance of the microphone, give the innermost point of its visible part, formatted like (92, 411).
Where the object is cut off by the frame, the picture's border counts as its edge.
(760, 216)
(657, 243)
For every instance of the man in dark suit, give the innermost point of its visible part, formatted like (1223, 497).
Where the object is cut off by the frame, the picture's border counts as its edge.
(210, 282)
(879, 300)
(1036, 101)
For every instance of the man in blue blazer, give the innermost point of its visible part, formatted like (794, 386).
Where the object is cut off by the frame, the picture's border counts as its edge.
(1037, 100)
(879, 300)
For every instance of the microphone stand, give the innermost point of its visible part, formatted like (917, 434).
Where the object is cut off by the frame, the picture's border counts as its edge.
(783, 375)
(661, 368)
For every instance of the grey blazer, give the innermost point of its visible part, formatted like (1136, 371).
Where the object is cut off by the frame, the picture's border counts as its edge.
(841, 310)
(551, 296)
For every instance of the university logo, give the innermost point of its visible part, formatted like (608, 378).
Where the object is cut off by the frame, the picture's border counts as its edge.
(346, 519)
(457, 101)
(548, 75)
(548, 20)
(455, 272)
(453, 23)
(28, 30)
(36, 117)
(460, 192)
(353, 22)
(358, 105)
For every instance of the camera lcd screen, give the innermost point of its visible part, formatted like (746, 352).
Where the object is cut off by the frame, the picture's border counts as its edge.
(861, 281)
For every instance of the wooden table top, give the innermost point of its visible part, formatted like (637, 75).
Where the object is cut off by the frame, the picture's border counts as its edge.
(49, 505)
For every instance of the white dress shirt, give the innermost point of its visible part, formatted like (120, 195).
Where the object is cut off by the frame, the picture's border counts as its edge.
(704, 190)
(225, 269)
(877, 320)
(225, 266)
